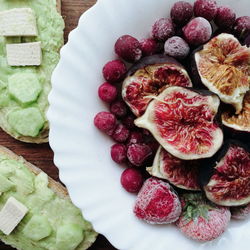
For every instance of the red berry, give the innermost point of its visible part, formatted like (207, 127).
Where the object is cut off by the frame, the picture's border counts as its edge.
(205, 8)
(181, 12)
(106, 122)
(176, 47)
(121, 133)
(119, 109)
(148, 46)
(225, 18)
(107, 92)
(138, 153)
(131, 180)
(135, 137)
(128, 48)
(156, 203)
(241, 27)
(128, 121)
(197, 31)
(163, 29)
(114, 71)
(119, 153)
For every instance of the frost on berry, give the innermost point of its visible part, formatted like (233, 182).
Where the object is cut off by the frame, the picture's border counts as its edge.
(131, 180)
(163, 29)
(205, 8)
(225, 18)
(181, 12)
(119, 153)
(114, 71)
(241, 27)
(135, 137)
(121, 133)
(148, 46)
(106, 122)
(118, 108)
(107, 92)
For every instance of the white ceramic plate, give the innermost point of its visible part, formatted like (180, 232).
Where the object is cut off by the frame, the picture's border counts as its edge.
(82, 152)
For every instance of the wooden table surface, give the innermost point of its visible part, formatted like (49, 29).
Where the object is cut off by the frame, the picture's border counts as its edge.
(42, 155)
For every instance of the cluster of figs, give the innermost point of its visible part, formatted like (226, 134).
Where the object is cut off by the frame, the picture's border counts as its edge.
(200, 115)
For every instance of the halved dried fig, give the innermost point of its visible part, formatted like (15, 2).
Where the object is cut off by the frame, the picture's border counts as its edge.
(226, 178)
(182, 174)
(223, 66)
(149, 77)
(240, 122)
(182, 120)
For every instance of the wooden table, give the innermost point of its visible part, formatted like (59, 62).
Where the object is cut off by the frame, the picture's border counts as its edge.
(42, 155)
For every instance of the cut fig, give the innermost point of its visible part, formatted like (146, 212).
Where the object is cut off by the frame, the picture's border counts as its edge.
(149, 77)
(223, 66)
(182, 174)
(226, 178)
(183, 121)
(240, 122)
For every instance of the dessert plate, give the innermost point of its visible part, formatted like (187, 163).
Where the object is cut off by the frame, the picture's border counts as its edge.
(82, 152)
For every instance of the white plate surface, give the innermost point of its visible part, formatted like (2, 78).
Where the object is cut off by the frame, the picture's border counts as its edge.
(82, 152)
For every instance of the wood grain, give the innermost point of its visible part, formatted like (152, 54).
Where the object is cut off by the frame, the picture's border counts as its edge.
(42, 155)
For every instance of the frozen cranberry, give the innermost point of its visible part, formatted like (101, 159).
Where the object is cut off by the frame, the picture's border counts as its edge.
(119, 109)
(247, 41)
(205, 8)
(128, 48)
(197, 31)
(107, 92)
(135, 137)
(241, 27)
(225, 18)
(128, 121)
(114, 71)
(138, 153)
(148, 46)
(176, 47)
(181, 12)
(163, 29)
(121, 133)
(119, 153)
(106, 122)
(131, 180)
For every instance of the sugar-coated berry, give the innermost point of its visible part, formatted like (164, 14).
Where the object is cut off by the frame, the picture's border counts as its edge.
(106, 122)
(119, 108)
(181, 12)
(119, 153)
(128, 48)
(107, 92)
(225, 18)
(128, 121)
(138, 153)
(176, 47)
(114, 71)
(197, 31)
(205, 8)
(131, 180)
(241, 27)
(135, 137)
(148, 46)
(121, 133)
(163, 29)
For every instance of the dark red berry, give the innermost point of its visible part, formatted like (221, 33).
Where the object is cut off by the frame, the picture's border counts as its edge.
(131, 180)
(128, 48)
(119, 153)
(225, 18)
(114, 71)
(106, 122)
(135, 137)
(163, 29)
(181, 12)
(119, 109)
(148, 46)
(205, 8)
(107, 92)
(121, 133)
(241, 27)
(128, 121)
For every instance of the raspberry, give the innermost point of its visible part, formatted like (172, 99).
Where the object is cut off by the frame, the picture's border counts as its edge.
(119, 109)
(107, 92)
(138, 153)
(197, 31)
(240, 213)
(128, 121)
(128, 48)
(176, 47)
(156, 203)
(105, 122)
(181, 12)
(135, 137)
(131, 180)
(121, 133)
(148, 46)
(225, 18)
(119, 153)
(205, 8)
(114, 71)
(163, 29)
(241, 27)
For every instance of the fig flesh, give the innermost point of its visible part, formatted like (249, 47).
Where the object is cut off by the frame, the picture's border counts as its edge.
(183, 121)
(223, 66)
(149, 77)
(182, 174)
